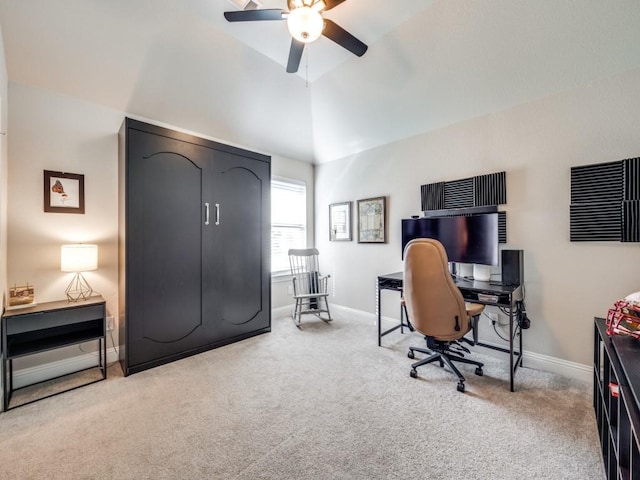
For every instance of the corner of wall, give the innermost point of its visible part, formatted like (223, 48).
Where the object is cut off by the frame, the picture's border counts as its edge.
(4, 88)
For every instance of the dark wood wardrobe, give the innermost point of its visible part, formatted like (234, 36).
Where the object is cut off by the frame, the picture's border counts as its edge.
(194, 245)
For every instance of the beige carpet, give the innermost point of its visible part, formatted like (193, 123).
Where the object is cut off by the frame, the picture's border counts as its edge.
(323, 402)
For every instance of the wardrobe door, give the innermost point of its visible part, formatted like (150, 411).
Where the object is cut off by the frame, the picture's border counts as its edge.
(165, 254)
(242, 239)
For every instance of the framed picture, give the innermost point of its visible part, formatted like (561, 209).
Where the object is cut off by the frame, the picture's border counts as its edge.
(63, 192)
(340, 222)
(371, 220)
(21, 296)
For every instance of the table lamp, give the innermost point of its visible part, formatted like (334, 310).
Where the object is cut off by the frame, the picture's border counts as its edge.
(78, 258)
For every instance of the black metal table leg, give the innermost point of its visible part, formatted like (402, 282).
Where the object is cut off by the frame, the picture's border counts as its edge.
(379, 316)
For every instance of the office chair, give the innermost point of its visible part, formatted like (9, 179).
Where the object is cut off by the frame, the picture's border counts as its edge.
(309, 287)
(436, 308)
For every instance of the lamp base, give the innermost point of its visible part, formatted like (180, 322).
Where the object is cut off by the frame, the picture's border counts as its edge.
(78, 289)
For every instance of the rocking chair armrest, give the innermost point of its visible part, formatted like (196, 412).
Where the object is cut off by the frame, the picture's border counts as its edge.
(324, 280)
(302, 285)
(311, 295)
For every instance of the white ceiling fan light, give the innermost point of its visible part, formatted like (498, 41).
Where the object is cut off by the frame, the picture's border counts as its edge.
(305, 24)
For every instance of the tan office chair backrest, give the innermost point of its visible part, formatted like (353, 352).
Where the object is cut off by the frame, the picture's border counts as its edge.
(432, 298)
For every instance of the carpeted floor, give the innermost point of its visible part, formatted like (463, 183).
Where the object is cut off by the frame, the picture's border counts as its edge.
(323, 402)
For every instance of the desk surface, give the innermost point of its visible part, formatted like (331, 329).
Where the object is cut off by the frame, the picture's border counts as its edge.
(51, 306)
(466, 284)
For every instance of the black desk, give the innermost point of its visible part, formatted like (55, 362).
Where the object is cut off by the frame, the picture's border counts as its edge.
(487, 293)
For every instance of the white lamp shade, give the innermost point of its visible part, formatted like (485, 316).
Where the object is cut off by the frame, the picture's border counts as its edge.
(79, 257)
(305, 24)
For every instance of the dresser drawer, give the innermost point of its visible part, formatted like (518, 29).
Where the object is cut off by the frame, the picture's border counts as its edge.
(40, 320)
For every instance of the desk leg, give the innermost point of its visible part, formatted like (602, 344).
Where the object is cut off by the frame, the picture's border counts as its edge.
(511, 349)
(9, 391)
(10, 379)
(5, 392)
(379, 316)
(104, 373)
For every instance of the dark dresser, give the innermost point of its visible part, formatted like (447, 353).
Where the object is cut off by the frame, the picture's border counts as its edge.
(616, 400)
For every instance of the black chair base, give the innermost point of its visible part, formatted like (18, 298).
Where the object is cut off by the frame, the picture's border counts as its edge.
(444, 352)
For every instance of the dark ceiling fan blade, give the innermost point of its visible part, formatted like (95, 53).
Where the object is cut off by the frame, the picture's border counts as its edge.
(295, 54)
(343, 38)
(254, 15)
(332, 3)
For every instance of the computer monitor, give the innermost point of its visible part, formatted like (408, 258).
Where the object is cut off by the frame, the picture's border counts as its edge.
(466, 239)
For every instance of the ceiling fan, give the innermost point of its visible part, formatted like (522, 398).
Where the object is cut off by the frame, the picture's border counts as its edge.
(306, 24)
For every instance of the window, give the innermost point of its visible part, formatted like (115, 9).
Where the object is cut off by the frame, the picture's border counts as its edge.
(288, 221)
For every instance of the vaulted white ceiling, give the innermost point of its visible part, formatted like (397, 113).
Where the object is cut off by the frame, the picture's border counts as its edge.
(430, 63)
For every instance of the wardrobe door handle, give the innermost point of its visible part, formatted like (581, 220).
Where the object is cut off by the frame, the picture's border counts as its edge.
(206, 214)
(217, 214)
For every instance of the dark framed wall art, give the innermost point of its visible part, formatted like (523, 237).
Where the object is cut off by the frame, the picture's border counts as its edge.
(340, 222)
(63, 192)
(371, 220)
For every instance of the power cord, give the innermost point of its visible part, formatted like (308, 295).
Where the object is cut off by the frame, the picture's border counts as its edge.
(523, 319)
(495, 324)
(497, 332)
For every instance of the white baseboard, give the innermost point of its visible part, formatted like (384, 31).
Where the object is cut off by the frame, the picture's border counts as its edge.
(530, 359)
(559, 366)
(282, 311)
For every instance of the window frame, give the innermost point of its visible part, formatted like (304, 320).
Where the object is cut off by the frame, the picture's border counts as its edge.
(284, 274)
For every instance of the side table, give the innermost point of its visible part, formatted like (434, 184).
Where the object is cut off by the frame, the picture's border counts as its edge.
(48, 326)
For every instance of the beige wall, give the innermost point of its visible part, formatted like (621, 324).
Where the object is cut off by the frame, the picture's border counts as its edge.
(56, 132)
(567, 284)
(3, 170)
(3, 180)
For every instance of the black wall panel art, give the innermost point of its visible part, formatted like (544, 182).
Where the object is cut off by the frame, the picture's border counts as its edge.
(605, 202)
(479, 191)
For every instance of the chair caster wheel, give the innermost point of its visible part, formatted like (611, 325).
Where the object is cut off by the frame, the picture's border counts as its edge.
(411, 354)
(479, 371)
(413, 374)
(461, 387)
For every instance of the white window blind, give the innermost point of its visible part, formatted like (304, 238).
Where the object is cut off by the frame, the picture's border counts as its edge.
(288, 221)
